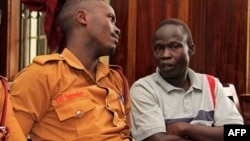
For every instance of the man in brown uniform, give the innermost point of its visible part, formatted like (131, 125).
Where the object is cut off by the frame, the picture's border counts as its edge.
(72, 96)
(11, 126)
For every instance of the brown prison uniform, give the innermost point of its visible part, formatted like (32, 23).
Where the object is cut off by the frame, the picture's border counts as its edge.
(15, 132)
(55, 98)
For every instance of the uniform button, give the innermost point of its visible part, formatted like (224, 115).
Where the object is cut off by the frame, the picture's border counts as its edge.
(108, 105)
(123, 134)
(79, 114)
(61, 55)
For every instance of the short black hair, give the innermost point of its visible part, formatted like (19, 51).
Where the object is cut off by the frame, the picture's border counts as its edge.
(177, 22)
(67, 12)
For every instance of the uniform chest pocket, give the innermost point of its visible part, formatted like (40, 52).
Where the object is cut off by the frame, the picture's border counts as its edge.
(73, 107)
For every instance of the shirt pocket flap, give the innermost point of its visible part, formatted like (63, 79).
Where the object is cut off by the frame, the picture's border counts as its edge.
(73, 109)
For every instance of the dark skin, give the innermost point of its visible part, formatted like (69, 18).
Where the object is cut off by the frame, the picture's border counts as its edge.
(165, 137)
(196, 132)
(172, 55)
(91, 33)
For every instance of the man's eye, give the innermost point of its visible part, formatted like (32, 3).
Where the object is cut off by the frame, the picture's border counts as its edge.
(112, 18)
(158, 47)
(175, 46)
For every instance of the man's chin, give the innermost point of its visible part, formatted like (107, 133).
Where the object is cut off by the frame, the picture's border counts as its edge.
(166, 73)
(167, 69)
(112, 51)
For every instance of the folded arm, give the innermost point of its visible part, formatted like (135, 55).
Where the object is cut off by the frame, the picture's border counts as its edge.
(196, 132)
(165, 137)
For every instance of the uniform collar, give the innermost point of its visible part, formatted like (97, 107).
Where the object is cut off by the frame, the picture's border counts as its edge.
(71, 59)
(195, 80)
(74, 62)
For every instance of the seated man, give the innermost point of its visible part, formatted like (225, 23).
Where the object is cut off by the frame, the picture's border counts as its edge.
(176, 103)
(73, 96)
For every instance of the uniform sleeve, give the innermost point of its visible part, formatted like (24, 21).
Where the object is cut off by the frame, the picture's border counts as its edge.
(16, 133)
(30, 96)
(146, 116)
(226, 111)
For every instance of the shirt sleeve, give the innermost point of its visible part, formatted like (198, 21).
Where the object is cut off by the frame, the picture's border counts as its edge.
(16, 133)
(146, 115)
(30, 96)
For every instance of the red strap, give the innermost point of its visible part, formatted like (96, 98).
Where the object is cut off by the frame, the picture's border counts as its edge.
(4, 110)
(211, 82)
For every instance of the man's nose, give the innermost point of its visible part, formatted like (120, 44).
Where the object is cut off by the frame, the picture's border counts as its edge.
(166, 52)
(117, 30)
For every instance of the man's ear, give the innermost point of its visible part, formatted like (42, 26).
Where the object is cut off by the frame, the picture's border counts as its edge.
(191, 49)
(81, 16)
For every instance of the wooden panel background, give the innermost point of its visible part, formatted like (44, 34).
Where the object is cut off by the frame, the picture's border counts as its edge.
(225, 38)
(120, 57)
(9, 38)
(3, 37)
(219, 29)
(222, 38)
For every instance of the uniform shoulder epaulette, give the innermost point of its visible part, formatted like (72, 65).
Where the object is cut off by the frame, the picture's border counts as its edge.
(42, 59)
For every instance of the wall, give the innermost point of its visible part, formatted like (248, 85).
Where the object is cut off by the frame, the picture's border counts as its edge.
(219, 29)
(3, 37)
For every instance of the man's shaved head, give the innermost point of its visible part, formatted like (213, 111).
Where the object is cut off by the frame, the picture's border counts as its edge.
(67, 13)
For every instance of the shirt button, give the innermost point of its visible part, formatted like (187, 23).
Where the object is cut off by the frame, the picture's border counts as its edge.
(123, 134)
(108, 105)
(79, 114)
(61, 55)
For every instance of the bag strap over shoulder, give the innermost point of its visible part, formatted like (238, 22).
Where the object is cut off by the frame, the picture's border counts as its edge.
(4, 130)
(211, 83)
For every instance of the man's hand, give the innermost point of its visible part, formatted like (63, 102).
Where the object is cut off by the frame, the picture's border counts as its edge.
(177, 128)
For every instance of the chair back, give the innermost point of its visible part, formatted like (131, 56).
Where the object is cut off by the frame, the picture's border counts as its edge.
(230, 91)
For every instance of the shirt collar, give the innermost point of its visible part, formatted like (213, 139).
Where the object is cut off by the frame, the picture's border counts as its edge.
(196, 83)
(74, 62)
